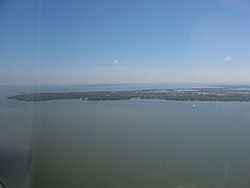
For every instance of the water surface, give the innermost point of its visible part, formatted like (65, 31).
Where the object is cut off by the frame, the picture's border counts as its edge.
(142, 143)
(124, 144)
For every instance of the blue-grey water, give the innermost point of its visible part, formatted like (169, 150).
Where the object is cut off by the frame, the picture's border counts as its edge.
(123, 144)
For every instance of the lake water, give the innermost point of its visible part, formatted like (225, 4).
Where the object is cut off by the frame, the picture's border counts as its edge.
(123, 144)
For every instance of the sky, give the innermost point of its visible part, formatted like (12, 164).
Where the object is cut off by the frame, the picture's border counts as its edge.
(124, 41)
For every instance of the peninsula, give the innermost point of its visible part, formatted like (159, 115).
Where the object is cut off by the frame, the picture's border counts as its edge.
(212, 93)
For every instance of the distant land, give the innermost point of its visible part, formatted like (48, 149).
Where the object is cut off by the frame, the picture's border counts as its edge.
(212, 93)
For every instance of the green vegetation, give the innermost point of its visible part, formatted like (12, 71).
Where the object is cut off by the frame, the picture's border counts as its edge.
(217, 93)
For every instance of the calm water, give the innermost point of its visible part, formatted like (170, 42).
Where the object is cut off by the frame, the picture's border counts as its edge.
(125, 144)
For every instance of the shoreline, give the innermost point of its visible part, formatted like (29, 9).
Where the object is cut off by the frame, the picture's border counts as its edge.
(229, 93)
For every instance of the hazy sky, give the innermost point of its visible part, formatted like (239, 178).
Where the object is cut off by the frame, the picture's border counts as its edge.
(124, 41)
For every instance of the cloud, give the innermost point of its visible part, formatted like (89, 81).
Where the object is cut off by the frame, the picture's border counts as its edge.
(227, 58)
(117, 62)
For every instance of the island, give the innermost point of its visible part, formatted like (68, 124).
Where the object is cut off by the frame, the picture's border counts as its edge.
(212, 93)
